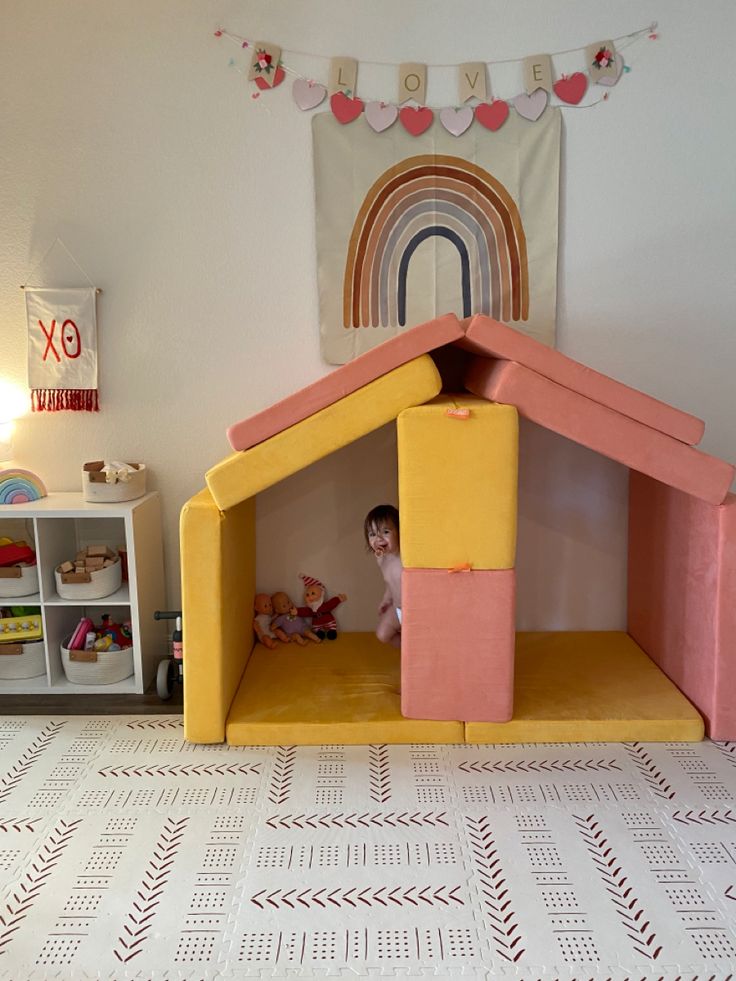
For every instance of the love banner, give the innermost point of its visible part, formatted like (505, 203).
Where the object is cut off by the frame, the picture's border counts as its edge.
(62, 349)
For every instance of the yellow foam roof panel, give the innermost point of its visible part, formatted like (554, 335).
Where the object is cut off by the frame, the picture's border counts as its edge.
(244, 474)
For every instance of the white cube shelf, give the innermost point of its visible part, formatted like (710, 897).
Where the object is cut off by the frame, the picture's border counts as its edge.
(60, 525)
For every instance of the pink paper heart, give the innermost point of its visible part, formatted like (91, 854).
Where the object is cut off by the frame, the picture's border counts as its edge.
(415, 121)
(607, 79)
(345, 110)
(380, 116)
(531, 106)
(307, 94)
(572, 89)
(456, 121)
(492, 116)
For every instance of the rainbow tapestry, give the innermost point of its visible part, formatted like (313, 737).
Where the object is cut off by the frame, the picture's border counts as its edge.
(409, 228)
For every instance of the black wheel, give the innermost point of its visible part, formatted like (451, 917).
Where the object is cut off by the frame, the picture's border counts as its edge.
(166, 678)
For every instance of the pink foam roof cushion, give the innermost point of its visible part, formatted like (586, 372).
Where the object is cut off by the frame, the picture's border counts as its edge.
(343, 380)
(681, 588)
(487, 336)
(601, 429)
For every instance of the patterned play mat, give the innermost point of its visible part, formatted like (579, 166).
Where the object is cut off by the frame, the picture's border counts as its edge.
(127, 853)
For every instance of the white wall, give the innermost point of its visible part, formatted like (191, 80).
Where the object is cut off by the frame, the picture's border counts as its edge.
(124, 132)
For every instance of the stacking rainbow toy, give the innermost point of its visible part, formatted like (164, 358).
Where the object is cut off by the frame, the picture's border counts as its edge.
(20, 486)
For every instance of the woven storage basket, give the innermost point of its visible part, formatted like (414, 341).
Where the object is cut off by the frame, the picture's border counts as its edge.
(110, 667)
(121, 490)
(25, 585)
(29, 664)
(102, 582)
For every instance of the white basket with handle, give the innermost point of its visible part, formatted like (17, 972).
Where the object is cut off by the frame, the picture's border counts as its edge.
(110, 666)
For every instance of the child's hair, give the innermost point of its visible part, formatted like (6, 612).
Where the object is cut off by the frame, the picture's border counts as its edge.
(383, 512)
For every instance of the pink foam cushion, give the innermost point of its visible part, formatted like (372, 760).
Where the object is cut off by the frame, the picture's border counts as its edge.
(681, 590)
(487, 336)
(344, 380)
(457, 644)
(601, 429)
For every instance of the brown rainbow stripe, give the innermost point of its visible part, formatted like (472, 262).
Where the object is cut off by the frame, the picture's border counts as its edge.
(436, 194)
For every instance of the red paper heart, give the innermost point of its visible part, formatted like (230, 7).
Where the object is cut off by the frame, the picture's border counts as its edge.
(492, 116)
(571, 89)
(345, 110)
(415, 121)
(278, 77)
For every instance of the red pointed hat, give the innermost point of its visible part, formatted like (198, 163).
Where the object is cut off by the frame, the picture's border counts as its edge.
(311, 581)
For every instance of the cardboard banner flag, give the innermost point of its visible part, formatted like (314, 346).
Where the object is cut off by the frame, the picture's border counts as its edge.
(62, 349)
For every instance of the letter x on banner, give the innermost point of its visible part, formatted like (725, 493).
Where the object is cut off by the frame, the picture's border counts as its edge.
(62, 349)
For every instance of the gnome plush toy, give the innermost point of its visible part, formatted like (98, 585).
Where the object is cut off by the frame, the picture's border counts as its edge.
(318, 609)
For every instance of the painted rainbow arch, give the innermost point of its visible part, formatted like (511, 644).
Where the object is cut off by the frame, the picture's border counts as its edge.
(20, 486)
(436, 195)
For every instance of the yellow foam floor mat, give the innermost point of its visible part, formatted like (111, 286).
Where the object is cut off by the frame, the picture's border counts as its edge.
(590, 686)
(570, 687)
(340, 691)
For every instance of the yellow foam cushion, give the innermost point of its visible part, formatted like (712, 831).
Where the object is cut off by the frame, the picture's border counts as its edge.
(242, 475)
(587, 686)
(341, 691)
(218, 569)
(458, 484)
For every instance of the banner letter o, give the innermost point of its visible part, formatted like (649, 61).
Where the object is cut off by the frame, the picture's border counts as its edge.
(67, 351)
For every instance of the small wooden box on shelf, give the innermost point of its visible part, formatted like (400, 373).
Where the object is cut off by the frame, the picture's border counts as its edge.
(60, 525)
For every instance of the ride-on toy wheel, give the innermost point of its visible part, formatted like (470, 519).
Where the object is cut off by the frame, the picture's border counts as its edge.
(166, 678)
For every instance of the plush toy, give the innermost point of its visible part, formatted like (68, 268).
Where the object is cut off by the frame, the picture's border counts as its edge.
(295, 627)
(318, 608)
(262, 622)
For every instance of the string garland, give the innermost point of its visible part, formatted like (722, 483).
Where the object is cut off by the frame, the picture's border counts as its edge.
(622, 43)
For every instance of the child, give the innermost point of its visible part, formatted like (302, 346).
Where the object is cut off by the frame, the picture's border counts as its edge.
(381, 529)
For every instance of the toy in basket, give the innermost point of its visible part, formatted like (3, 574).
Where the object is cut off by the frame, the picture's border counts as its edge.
(96, 571)
(18, 569)
(98, 655)
(113, 482)
(22, 650)
(170, 669)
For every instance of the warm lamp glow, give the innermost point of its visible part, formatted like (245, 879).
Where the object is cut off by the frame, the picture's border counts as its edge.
(13, 403)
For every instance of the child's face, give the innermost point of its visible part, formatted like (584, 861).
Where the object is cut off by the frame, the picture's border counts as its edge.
(383, 537)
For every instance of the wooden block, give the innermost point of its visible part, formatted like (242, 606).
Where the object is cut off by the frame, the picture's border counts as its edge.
(66, 567)
(94, 562)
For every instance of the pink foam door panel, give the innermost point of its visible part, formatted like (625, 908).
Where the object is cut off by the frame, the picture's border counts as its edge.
(601, 429)
(343, 380)
(488, 337)
(457, 644)
(682, 594)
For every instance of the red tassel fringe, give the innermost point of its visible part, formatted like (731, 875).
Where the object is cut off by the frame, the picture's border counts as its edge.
(59, 399)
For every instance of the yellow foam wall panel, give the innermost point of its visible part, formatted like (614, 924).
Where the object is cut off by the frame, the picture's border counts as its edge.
(244, 474)
(218, 569)
(458, 484)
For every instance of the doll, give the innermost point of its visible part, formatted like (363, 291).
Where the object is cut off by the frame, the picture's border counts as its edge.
(262, 622)
(318, 609)
(295, 627)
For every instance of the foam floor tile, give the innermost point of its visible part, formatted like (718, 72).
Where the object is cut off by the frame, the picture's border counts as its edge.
(126, 852)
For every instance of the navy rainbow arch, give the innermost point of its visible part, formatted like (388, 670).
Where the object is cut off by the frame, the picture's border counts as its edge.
(444, 196)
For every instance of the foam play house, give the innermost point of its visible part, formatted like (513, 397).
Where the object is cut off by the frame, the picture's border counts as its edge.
(464, 674)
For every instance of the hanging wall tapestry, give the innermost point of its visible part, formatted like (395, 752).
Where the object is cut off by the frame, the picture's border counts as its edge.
(410, 227)
(62, 348)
